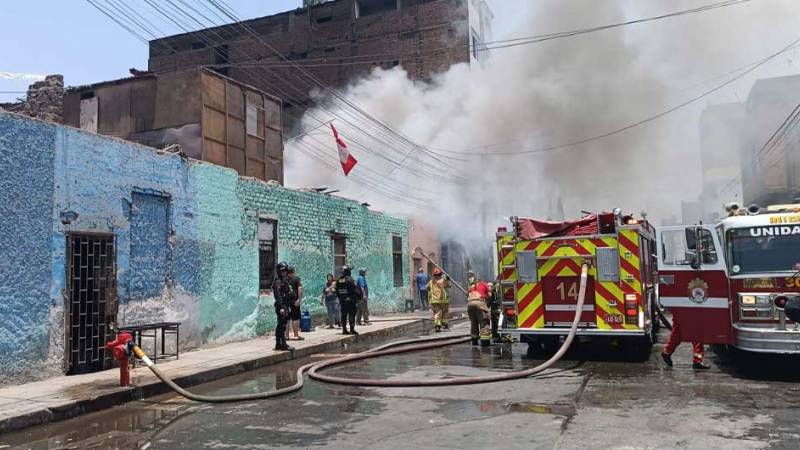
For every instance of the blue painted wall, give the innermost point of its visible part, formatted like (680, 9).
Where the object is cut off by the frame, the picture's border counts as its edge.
(186, 241)
(26, 211)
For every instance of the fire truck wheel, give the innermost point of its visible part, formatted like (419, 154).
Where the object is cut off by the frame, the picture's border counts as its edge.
(640, 349)
(540, 347)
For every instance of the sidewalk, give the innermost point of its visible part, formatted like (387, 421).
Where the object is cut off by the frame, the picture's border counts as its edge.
(68, 396)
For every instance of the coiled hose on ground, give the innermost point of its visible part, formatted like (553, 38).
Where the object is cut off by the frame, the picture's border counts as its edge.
(411, 345)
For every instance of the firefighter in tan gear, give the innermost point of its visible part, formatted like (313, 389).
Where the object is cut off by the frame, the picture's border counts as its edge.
(478, 311)
(439, 299)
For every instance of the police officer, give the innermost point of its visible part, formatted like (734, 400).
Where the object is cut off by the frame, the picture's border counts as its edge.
(349, 296)
(285, 296)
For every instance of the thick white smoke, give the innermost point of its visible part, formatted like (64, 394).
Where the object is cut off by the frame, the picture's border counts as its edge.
(559, 91)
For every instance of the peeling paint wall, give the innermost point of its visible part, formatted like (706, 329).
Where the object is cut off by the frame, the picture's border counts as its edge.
(26, 204)
(186, 241)
(306, 221)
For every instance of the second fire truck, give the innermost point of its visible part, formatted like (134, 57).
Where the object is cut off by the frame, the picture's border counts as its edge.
(539, 265)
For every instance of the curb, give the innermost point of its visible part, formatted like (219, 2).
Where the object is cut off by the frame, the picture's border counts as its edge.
(156, 387)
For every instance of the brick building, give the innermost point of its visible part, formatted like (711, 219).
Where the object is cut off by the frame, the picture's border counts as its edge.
(336, 41)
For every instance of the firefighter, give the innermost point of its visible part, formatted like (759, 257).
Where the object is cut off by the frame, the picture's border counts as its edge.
(675, 340)
(494, 309)
(349, 296)
(478, 312)
(285, 295)
(440, 301)
(471, 279)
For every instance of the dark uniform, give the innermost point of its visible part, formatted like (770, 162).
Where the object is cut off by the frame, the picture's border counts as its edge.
(349, 296)
(284, 288)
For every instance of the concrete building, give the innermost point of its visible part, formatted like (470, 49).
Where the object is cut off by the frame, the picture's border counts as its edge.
(721, 136)
(211, 117)
(771, 177)
(336, 41)
(98, 230)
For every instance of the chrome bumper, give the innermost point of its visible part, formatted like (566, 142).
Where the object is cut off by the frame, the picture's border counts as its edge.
(767, 338)
(516, 332)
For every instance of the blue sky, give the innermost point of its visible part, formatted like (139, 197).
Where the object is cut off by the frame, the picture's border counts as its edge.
(72, 38)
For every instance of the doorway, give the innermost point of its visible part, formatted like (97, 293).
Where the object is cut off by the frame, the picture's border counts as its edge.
(91, 292)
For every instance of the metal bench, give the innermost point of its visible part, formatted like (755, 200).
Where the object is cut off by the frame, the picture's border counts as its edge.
(151, 330)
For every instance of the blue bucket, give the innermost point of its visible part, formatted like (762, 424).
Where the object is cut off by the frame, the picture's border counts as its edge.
(305, 322)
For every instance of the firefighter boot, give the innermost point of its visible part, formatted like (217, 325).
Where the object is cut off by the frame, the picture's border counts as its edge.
(474, 342)
(700, 366)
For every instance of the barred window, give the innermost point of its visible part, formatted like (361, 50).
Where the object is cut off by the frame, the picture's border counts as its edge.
(397, 260)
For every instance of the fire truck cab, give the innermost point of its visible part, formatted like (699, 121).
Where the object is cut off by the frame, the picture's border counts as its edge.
(730, 283)
(539, 265)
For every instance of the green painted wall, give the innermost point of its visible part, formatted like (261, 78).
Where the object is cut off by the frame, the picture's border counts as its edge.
(306, 221)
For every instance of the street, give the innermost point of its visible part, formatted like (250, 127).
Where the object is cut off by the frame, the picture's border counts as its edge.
(592, 398)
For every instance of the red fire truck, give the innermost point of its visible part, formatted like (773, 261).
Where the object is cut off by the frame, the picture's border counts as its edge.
(539, 265)
(734, 282)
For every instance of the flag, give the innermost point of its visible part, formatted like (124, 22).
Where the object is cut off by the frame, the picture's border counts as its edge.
(347, 160)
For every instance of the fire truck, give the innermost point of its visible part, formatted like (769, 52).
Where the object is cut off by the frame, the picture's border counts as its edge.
(734, 283)
(539, 265)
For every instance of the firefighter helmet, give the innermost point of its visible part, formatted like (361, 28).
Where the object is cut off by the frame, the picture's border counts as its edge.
(437, 271)
(281, 267)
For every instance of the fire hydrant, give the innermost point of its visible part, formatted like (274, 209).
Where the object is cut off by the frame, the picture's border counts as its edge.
(121, 351)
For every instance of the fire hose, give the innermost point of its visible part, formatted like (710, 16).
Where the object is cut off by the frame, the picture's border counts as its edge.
(315, 369)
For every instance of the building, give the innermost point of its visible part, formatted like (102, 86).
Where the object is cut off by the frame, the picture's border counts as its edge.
(425, 236)
(211, 117)
(720, 160)
(771, 176)
(336, 41)
(98, 230)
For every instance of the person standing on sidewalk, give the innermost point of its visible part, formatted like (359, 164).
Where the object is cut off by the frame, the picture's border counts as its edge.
(363, 305)
(294, 313)
(283, 292)
(330, 301)
(440, 301)
(349, 295)
(421, 280)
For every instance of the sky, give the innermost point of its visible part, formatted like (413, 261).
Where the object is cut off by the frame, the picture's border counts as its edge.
(74, 39)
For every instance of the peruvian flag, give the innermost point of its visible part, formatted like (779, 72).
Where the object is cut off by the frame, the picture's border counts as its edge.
(347, 160)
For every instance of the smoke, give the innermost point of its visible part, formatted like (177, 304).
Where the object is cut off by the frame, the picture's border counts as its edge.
(555, 92)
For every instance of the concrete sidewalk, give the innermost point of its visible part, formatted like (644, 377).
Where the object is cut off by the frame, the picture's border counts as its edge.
(68, 396)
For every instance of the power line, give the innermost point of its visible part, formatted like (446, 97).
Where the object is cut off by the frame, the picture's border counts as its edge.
(181, 23)
(639, 122)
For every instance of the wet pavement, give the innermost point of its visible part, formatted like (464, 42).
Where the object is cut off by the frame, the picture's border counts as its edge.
(595, 398)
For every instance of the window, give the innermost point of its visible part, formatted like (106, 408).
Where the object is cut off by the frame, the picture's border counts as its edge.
(255, 120)
(339, 252)
(763, 250)
(679, 247)
(474, 47)
(267, 240)
(397, 260)
(370, 7)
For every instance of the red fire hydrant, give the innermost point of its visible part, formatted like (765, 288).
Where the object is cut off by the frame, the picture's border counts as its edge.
(121, 351)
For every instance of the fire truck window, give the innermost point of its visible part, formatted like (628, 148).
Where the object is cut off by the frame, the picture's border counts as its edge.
(707, 247)
(674, 248)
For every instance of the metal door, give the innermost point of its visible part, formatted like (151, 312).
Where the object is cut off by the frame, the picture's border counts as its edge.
(692, 282)
(91, 288)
